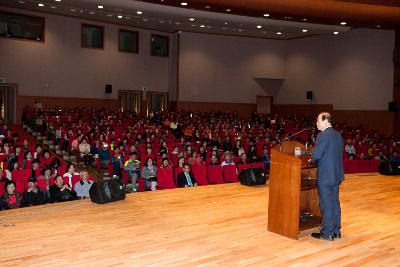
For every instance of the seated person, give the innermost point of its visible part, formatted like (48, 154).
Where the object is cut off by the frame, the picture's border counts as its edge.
(10, 198)
(35, 167)
(12, 165)
(165, 163)
(60, 192)
(70, 171)
(104, 156)
(186, 178)
(351, 156)
(394, 157)
(2, 178)
(34, 195)
(252, 154)
(214, 160)
(181, 161)
(265, 158)
(132, 166)
(46, 175)
(243, 159)
(84, 150)
(149, 172)
(55, 163)
(227, 160)
(83, 186)
(117, 162)
(28, 158)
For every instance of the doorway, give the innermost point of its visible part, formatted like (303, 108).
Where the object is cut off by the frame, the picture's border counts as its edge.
(8, 94)
(157, 101)
(130, 101)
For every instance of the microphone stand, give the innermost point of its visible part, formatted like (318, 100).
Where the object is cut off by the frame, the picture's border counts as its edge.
(290, 137)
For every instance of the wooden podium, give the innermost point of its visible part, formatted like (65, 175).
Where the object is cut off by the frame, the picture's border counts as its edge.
(293, 197)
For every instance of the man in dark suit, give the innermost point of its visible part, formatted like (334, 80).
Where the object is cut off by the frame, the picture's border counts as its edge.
(328, 155)
(186, 178)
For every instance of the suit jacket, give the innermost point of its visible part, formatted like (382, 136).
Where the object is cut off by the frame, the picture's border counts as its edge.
(328, 154)
(182, 179)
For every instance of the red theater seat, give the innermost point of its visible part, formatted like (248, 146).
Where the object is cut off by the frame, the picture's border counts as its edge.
(362, 165)
(230, 173)
(165, 178)
(21, 178)
(350, 166)
(373, 165)
(215, 174)
(200, 174)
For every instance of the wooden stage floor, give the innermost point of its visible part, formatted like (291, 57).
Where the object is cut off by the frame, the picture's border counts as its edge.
(217, 225)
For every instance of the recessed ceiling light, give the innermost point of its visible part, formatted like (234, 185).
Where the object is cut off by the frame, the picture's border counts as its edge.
(177, 23)
(378, 26)
(139, 12)
(304, 30)
(343, 23)
(40, 4)
(109, 15)
(92, 12)
(278, 33)
(81, 11)
(259, 26)
(120, 16)
(226, 23)
(21, 2)
(58, 0)
(335, 33)
(72, 10)
(266, 15)
(183, 3)
(239, 30)
(304, 19)
(162, 22)
(228, 10)
(191, 19)
(100, 6)
(202, 26)
(208, 7)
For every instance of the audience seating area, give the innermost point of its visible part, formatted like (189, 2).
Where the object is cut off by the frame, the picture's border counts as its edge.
(173, 135)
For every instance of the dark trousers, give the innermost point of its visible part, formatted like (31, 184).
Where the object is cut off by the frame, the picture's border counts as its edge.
(330, 209)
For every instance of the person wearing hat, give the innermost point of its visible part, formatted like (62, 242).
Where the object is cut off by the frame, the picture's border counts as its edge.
(11, 199)
(34, 195)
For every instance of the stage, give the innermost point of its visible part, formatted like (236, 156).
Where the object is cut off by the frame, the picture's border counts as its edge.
(224, 225)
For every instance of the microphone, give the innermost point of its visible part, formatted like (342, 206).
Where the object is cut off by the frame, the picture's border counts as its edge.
(291, 136)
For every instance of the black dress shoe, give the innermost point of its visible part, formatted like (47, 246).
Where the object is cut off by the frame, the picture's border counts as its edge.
(322, 236)
(337, 235)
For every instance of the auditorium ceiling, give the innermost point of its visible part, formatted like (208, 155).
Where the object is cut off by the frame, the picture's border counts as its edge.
(283, 19)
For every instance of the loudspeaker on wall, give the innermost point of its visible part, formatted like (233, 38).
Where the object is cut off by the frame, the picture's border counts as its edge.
(309, 95)
(108, 88)
(393, 106)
